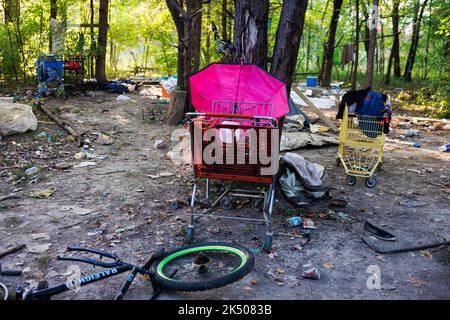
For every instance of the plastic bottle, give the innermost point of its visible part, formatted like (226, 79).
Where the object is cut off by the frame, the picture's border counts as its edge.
(445, 148)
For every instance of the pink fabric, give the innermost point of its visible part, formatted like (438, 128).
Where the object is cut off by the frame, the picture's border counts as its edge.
(221, 82)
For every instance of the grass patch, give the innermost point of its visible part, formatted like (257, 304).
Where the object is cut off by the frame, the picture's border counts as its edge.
(43, 261)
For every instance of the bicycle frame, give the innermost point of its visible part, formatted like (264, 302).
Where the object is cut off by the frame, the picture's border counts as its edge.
(115, 268)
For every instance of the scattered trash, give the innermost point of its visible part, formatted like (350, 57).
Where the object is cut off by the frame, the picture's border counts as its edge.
(123, 98)
(445, 148)
(161, 174)
(412, 203)
(308, 224)
(16, 118)
(411, 133)
(85, 164)
(79, 155)
(328, 265)
(272, 255)
(15, 273)
(378, 232)
(416, 145)
(343, 216)
(31, 171)
(43, 194)
(105, 140)
(313, 274)
(95, 233)
(293, 222)
(160, 144)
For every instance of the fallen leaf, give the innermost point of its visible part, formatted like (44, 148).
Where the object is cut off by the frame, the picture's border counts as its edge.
(254, 282)
(328, 265)
(323, 215)
(416, 282)
(279, 270)
(426, 253)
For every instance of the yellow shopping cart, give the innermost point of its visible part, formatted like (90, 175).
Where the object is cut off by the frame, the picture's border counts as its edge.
(360, 151)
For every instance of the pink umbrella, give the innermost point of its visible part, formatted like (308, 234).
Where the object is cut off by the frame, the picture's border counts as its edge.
(242, 89)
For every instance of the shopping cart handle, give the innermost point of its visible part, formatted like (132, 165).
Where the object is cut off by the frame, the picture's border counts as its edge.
(229, 115)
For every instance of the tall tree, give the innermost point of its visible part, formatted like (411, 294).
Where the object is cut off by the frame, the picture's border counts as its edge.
(187, 15)
(53, 15)
(250, 31)
(100, 66)
(356, 53)
(328, 50)
(372, 43)
(224, 19)
(394, 56)
(287, 41)
(417, 21)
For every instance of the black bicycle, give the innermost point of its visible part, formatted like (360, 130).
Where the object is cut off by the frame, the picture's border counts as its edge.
(196, 267)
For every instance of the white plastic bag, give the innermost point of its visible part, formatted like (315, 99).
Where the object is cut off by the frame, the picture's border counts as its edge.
(16, 118)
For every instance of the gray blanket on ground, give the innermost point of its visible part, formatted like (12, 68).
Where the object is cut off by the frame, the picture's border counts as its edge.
(306, 181)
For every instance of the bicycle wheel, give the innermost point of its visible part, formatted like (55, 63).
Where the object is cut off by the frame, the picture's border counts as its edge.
(3, 292)
(200, 267)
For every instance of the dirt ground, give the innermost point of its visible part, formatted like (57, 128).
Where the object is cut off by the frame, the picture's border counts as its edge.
(119, 205)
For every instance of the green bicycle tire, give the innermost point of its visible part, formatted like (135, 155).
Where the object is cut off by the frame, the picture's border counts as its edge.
(247, 262)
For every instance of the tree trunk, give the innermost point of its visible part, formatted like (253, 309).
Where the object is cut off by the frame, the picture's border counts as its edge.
(100, 66)
(53, 15)
(418, 13)
(250, 31)
(224, 19)
(174, 8)
(328, 52)
(287, 41)
(394, 56)
(372, 43)
(366, 28)
(356, 57)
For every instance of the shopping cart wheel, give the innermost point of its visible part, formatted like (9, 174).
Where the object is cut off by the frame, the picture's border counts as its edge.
(227, 203)
(351, 180)
(189, 235)
(267, 243)
(371, 182)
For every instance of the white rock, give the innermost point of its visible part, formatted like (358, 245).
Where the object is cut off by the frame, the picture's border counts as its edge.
(16, 118)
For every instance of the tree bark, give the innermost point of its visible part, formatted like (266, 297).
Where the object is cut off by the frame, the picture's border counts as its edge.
(356, 58)
(224, 19)
(53, 15)
(176, 11)
(250, 31)
(372, 43)
(394, 57)
(328, 52)
(287, 41)
(418, 13)
(100, 66)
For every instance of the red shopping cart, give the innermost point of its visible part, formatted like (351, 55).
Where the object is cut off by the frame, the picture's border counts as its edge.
(235, 136)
